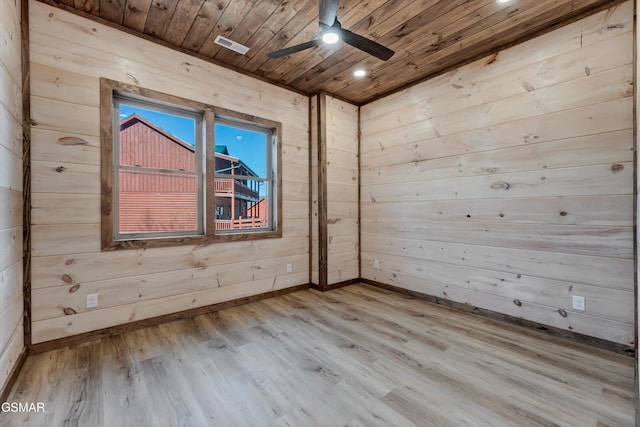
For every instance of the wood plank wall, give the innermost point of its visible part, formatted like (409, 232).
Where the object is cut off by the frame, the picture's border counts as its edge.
(508, 184)
(11, 300)
(68, 56)
(342, 191)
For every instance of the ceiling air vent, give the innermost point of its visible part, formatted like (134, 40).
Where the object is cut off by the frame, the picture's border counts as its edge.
(230, 44)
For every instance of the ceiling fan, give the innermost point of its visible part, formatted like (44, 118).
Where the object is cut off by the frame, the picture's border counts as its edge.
(332, 31)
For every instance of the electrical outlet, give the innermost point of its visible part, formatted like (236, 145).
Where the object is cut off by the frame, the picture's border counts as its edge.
(92, 300)
(376, 264)
(289, 268)
(578, 303)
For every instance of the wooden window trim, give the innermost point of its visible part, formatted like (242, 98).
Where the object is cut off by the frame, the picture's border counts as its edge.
(108, 240)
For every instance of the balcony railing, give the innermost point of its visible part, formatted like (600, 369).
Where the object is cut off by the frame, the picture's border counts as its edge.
(229, 186)
(232, 224)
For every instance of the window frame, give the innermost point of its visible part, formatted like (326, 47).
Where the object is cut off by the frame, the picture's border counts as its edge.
(199, 171)
(111, 239)
(224, 117)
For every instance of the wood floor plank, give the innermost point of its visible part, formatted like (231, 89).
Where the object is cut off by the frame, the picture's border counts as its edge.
(355, 356)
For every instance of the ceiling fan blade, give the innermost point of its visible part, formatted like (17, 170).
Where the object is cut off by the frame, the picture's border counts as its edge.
(366, 45)
(293, 49)
(328, 10)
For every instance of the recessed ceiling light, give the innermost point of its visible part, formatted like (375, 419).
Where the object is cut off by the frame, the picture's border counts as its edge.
(359, 73)
(330, 37)
(503, 1)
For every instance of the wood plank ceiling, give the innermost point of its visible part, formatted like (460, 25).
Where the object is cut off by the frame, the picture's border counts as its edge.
(429, 36)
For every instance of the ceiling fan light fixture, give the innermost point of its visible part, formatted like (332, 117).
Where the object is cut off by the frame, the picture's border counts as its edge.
(330, 37)
(331, 31)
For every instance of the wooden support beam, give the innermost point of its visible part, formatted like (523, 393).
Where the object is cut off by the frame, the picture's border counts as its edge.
(26, 170)
(322, 191)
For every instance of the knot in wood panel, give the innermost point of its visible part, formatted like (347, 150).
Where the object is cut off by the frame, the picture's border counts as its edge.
(617, 167)
(517, 302)
(60, 169)
(493, 58)
(500, 185)
(562, 312)
(528, 86)
(629, 88)
(74, 288)
(72, 140)
(68, 311)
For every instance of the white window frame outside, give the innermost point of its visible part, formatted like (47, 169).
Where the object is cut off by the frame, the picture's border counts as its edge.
(199, 172)
(270, 178)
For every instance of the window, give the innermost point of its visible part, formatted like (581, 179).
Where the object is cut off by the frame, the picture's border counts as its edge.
(176, 171)
(243, 176)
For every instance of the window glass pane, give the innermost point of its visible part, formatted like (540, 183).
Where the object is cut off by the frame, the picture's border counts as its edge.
(153, 202)
(240, 151)
(158, 182)
(251, 204)
(156, 139)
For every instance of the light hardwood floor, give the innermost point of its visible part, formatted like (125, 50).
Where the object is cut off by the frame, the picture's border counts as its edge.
(357, 356)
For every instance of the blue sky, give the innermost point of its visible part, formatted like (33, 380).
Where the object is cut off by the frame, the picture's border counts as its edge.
(250, 147)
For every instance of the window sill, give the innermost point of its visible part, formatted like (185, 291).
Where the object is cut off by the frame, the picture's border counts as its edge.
(164, 242)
